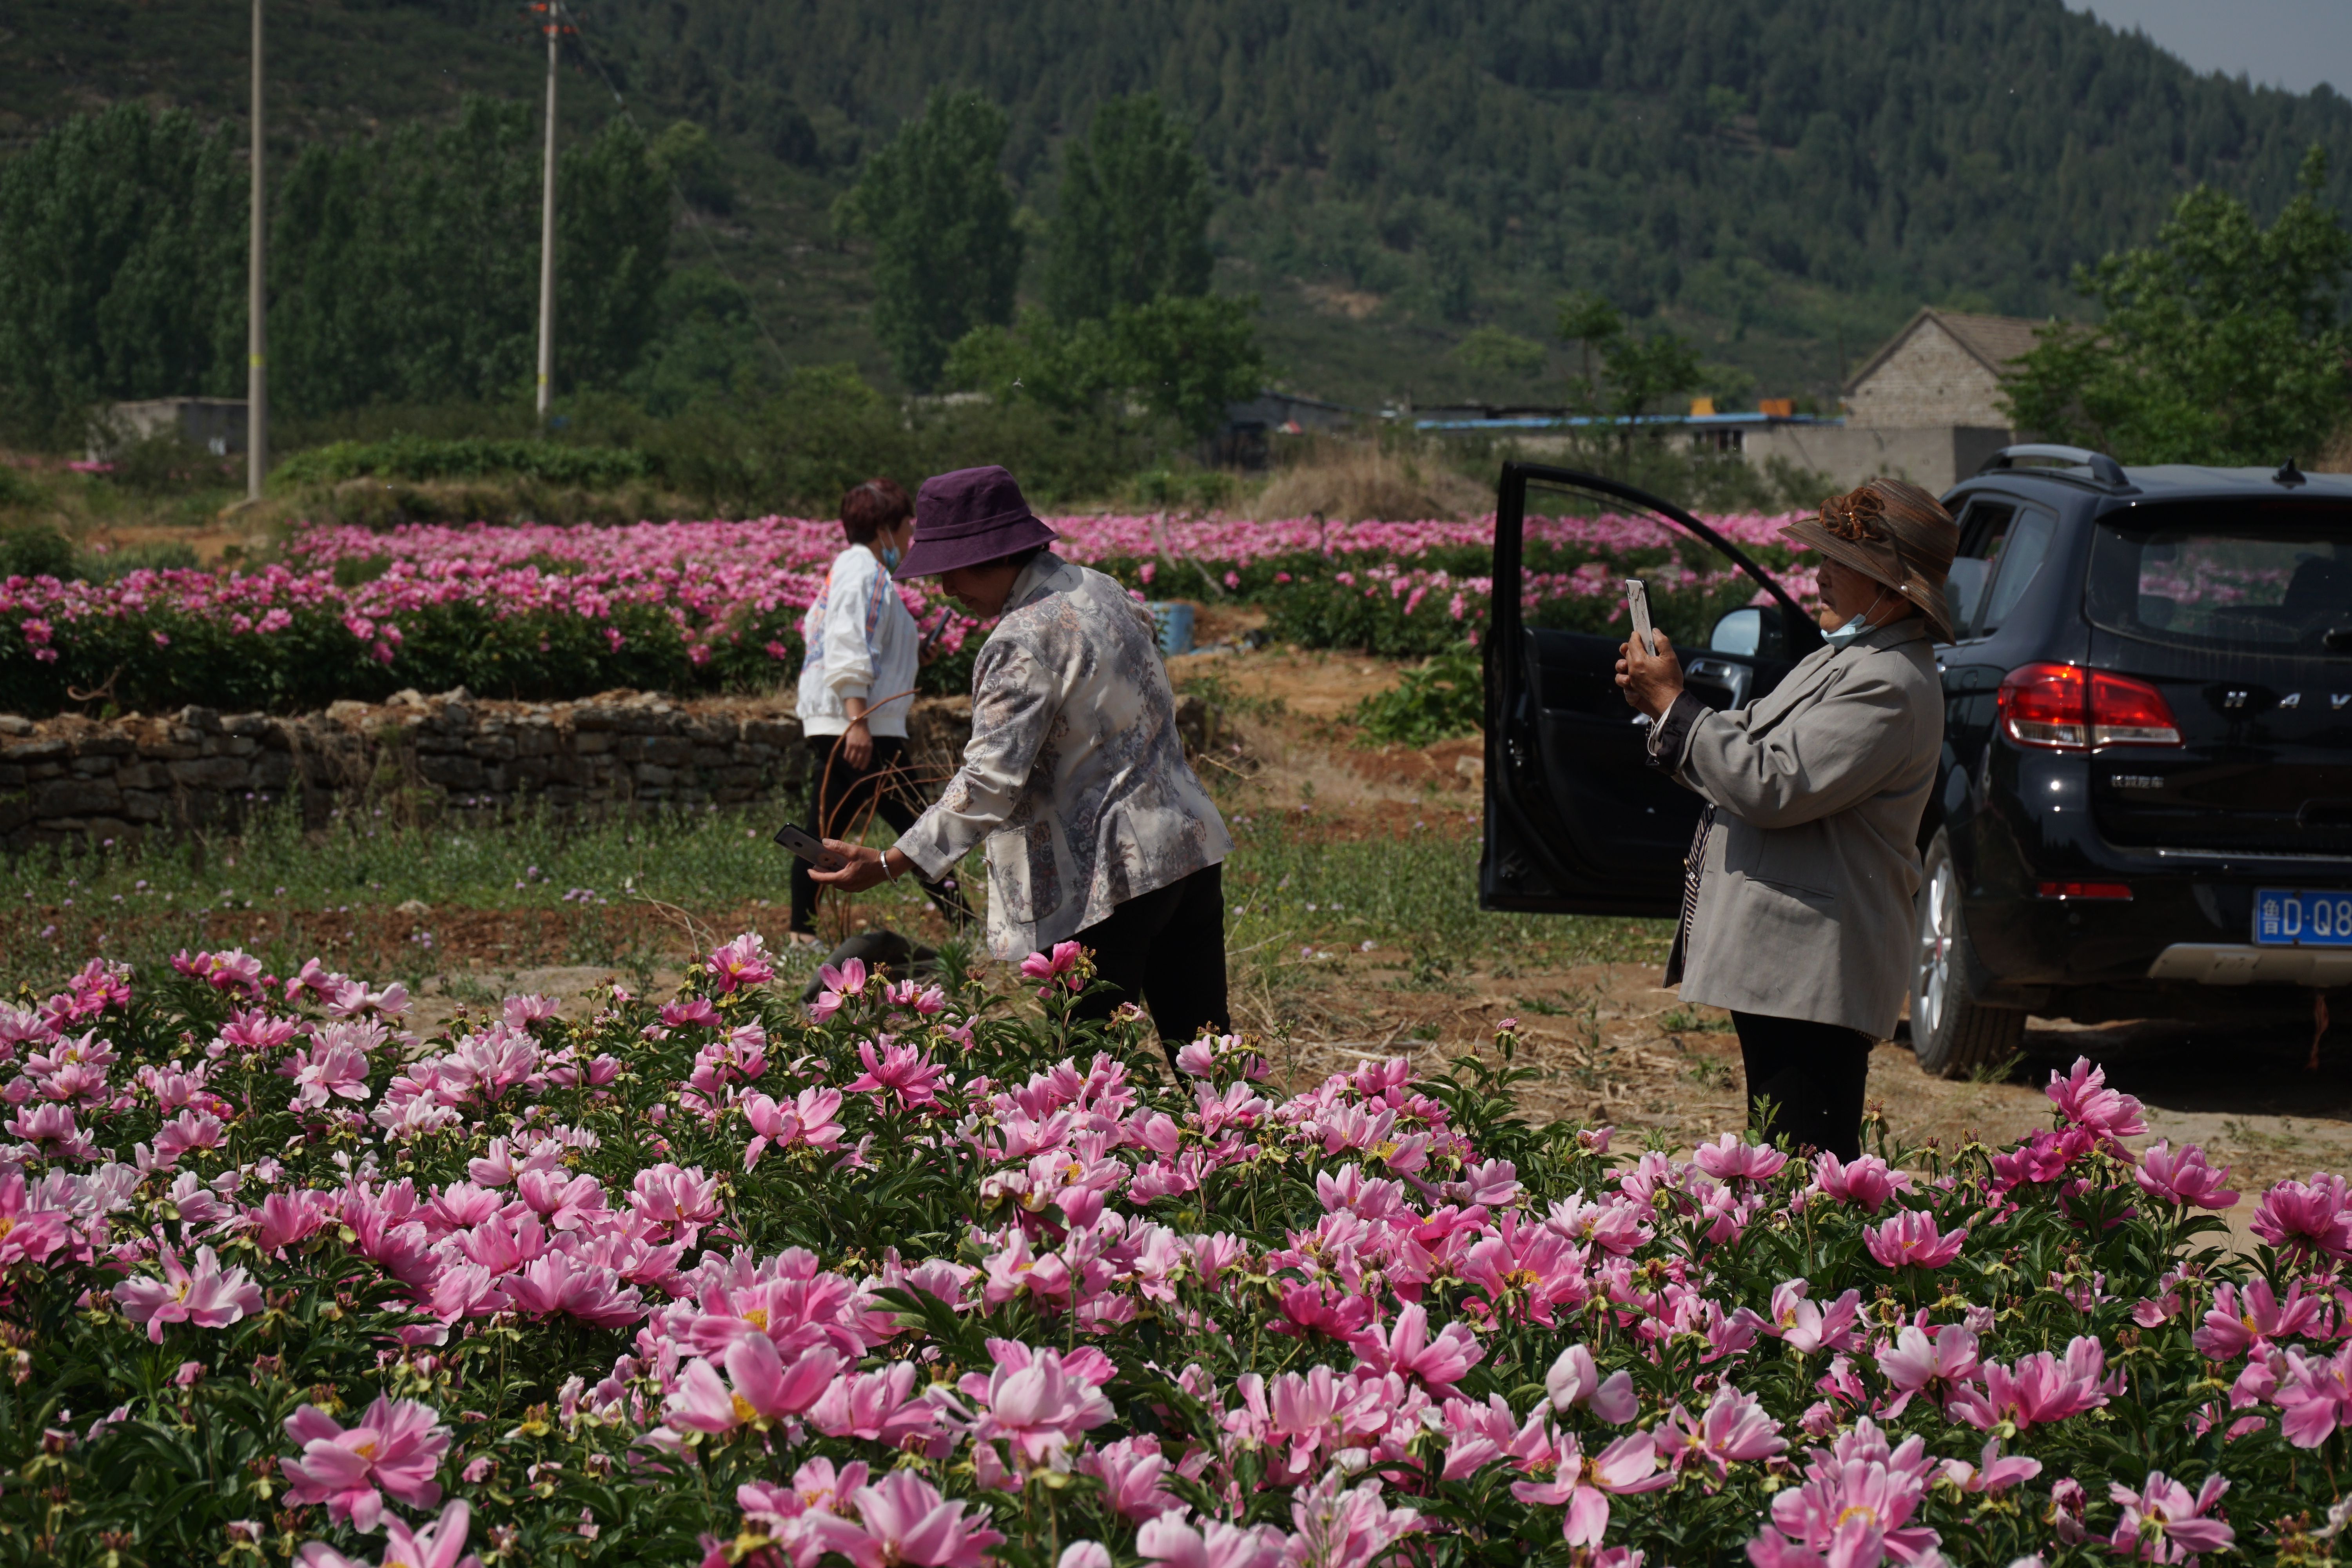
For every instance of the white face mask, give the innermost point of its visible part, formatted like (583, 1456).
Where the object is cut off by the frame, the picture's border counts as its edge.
(1849, 634)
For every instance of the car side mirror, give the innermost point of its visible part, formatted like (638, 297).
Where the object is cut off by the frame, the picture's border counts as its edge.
(1752, 630)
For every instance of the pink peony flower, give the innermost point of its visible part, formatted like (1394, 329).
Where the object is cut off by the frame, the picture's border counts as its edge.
(904, 1519)
(2184, 1177)
(1575, 1379)
(395, 1448)
(2084, 1097)
(1733, 1429)
(2162, 1523)
(1868, 1181)
(901, 1070)
(2301, 1218)
(207, 1296)
(2253, 1319)
(740, 963)
(1727, 1159)
(1035, 1400)
(1583, 1485)
(1214, 1543)
(840, 985)
(766, 1387)
(1910, 1240)
(1408, 1350)
(437, 1545)
(1937, 1364)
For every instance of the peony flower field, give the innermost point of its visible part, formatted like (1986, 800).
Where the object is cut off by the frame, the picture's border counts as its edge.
(548, 611)
(924, 1274)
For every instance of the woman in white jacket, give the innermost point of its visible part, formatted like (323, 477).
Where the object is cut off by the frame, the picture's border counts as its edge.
(856, 685)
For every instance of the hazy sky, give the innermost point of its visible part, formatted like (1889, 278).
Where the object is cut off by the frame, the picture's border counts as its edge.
(2293, 44)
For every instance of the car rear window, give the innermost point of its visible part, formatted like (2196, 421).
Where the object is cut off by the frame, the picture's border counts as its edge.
(2274, 578)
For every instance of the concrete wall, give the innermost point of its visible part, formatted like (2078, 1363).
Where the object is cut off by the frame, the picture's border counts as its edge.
(1929, 381)
(70, 778)
(1935, 459)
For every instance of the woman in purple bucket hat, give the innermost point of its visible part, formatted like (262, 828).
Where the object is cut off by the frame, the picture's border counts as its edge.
(1095, 826)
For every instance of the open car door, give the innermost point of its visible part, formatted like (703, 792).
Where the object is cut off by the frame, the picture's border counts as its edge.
(1577, 822)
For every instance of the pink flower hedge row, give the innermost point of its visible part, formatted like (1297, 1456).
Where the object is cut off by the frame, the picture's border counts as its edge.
(907, 1277)
(552, 612)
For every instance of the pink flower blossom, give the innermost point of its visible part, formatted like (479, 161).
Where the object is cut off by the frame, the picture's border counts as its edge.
(2162, 1523)
(2184, 1177)
(904, 1071)
(1727, 1159)
(2253, 1319)
(1583, 1485)
(1409, 1350)
(1937, 1363)
(766, 1386)
(396, 1447)
(740, 963)
(1910, 1240)
(2084, 1097)
(2301, 1218)
(1575, 1379)
(208, 1296)
(1867, 1181)
(1214, 1543)
(904, 1519)
(1733, 1429)
(441, 1544)
(1035, 1400)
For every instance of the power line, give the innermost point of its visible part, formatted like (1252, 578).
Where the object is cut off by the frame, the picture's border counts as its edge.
(749, 303)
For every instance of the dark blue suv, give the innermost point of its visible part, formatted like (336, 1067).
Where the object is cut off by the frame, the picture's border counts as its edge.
(2144, 807)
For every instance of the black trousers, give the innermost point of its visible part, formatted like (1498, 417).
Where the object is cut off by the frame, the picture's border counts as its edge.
(840, 794)
(1812, 1073)
(1166, 949)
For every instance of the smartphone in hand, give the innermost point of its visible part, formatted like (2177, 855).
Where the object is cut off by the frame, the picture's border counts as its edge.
(809, 847)
(1637, 604)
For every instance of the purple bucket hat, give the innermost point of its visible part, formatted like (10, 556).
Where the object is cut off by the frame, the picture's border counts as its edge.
(968, 517)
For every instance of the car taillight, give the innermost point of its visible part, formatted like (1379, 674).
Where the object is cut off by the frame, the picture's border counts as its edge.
(2083, 890)
(2042, 705)
(2127, 713)
(2064, 708)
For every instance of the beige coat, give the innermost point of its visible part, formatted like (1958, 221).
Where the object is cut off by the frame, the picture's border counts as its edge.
(1074, 778)
(1804, 910)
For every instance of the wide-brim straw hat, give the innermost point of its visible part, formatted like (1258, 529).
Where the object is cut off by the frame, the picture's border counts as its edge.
(1895, 533)
(967, 518)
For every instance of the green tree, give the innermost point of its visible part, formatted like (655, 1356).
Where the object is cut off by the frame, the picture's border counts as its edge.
(1498, 353)
(2224, 341)
(405, 269)
(1184, 358)
(946, 252)
(121, 264)
(1636, 374)
(1133, 218)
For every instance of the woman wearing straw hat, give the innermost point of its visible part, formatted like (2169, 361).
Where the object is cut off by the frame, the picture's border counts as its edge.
(1075, 779)
(1797, 897)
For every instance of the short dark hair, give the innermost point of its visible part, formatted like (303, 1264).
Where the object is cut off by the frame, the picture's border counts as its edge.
(1022, 557)
(871, 506)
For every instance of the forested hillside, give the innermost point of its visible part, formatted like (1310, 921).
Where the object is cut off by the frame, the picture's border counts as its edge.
(1783, 180)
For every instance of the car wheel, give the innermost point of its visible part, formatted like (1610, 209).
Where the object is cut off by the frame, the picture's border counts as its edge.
(1951, 1031)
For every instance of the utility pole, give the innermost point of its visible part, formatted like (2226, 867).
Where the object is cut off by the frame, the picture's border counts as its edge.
(546, 233)
(257, 303)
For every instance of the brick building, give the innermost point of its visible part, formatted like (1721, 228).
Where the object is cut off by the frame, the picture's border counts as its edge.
(1944, 368)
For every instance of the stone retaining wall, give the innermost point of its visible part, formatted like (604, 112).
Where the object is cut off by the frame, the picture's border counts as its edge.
(73, 778)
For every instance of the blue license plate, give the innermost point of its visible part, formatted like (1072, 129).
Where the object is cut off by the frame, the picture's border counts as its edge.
(2287, 918)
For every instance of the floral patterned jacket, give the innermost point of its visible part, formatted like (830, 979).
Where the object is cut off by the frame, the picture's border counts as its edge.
(1073, 776)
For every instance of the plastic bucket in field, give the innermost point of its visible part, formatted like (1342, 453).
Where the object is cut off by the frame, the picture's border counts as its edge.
(1175, 623)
